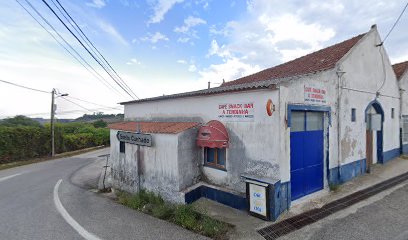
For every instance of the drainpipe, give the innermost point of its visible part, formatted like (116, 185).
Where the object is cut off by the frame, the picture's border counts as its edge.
(138, 158)
(339, 74)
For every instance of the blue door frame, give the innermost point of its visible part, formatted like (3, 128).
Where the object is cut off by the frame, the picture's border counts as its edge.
(297, 136)
(378, 108)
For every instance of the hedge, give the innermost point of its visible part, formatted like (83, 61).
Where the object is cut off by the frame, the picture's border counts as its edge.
(25, 142)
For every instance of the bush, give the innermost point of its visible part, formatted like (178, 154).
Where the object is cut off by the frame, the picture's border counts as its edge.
(20, 142)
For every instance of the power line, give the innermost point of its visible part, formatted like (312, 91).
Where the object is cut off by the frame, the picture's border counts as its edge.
(17, 85)
(90, 42)
(75, 103)
(58, 113)
(80, 42)
(116, 108)
(94, 73)
(395, 24)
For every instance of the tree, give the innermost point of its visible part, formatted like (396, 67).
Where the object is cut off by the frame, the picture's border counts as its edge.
(100, 124)
(20, 120)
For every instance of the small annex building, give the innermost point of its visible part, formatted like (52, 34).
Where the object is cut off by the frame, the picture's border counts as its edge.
(294, 129)
(401, 72)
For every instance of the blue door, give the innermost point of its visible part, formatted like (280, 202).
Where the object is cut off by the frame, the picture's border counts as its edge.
(306, 153)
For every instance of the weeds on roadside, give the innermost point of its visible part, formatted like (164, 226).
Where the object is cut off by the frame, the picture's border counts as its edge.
(183, 215)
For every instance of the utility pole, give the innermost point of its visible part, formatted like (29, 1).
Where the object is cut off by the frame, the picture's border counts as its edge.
(53, 108)
(52, 122)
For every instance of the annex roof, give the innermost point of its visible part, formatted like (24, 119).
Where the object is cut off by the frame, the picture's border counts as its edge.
(154, 127)
(321, 60)
(400, 69)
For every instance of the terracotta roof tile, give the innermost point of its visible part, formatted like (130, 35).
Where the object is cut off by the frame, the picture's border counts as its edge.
(400, 68)
(321, 60)
(154, 127)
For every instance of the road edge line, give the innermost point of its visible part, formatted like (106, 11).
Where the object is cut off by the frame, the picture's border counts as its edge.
(71, 221)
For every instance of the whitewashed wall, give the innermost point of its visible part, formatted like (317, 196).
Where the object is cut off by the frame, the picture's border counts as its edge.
(159, 166)
(403, 84)
(254, 146)
(365, 74)
(292, 92)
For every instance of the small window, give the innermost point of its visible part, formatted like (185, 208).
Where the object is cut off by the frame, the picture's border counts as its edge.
(353, 114)
(392, 112)
(215, 157)
(122, 147)
(297, 121)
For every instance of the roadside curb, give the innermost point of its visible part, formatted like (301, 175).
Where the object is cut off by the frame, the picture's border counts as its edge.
(44, 159)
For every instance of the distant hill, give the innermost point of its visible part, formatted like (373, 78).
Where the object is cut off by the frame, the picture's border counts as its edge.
(109, 118)
(88, 118)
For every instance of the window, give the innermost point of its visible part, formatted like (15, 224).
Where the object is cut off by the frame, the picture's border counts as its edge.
(392, 112)
(215, 157)
(122, 147)
(353, 114)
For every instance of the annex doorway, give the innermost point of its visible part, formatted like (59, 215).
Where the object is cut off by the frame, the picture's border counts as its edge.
(374, 116)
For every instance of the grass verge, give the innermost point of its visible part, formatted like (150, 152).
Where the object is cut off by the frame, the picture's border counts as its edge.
(182, 215)
(37, 160)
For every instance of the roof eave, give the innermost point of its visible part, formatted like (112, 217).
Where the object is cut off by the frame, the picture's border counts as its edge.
(269, 84)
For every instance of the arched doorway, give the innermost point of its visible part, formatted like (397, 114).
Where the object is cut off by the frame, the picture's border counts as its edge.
(374, 116)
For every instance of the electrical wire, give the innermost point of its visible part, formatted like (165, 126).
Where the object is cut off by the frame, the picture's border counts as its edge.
(94, 73)
(80, 42)
(116, 108)
(75, 103)
(396, 22)
(58, 113)
(89, 43)
(18, 85)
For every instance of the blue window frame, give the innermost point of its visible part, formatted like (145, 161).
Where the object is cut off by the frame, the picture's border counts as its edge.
(215, 157)
(353, 114)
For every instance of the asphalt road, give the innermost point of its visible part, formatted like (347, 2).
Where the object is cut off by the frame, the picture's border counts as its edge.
(34, 206)
(383, 216)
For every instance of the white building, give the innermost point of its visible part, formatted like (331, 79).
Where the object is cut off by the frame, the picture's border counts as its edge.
(321, 119)
(401, 72)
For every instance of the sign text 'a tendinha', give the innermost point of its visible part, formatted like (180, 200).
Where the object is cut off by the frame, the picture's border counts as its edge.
(240, 112)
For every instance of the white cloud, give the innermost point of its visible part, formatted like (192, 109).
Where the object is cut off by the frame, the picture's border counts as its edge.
(111, 30)
(183, 39)
(189, 22)
(133, 61)
(231, 69)
(96, 3)
(192, 68)
(160, 8)
(154, 38)
(215, 49)
(181, 61)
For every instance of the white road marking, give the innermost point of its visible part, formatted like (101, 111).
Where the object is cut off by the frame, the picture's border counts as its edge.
(74, 224)
(8, 177)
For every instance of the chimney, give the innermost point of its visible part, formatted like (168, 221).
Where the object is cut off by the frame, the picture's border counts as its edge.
(209, 84)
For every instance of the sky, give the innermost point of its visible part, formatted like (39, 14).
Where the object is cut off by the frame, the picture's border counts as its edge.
(170, 46)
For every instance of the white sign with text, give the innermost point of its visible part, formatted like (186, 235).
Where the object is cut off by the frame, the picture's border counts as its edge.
(315, 94)
(239, 112)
